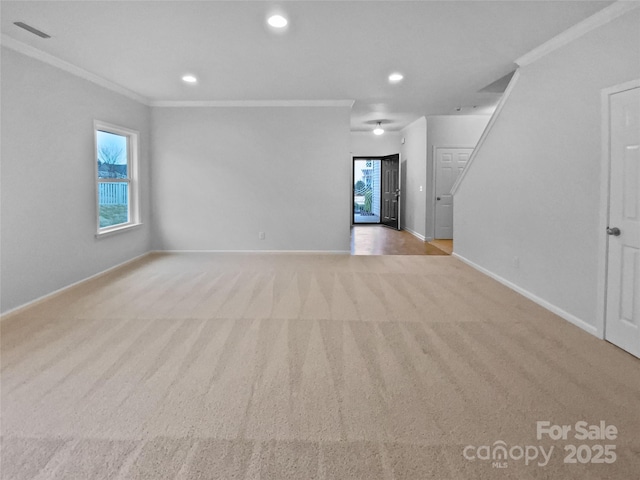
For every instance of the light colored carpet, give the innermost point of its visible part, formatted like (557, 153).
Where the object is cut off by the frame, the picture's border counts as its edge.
(207, 366)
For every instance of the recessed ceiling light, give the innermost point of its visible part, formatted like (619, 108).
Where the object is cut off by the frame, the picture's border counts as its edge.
(277, 21)
(378, 130)
(189, 79)
(395, 77)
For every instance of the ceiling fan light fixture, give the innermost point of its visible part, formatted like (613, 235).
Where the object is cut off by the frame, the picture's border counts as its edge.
(378, 130)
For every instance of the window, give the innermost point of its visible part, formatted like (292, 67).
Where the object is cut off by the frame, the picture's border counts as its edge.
(116, 178)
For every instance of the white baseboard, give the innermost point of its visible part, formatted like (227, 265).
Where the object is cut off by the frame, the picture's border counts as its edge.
(31, 303)
(534, 298)
(315, 252)
(415, 234)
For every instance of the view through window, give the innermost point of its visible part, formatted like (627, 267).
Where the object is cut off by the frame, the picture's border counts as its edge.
(115, 154)
(366, 191)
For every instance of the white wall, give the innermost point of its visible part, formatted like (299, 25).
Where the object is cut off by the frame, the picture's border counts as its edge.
(366, 143)
(533, 189)
(221, 175)
(414, 176)
(47, 179)
(448, 131)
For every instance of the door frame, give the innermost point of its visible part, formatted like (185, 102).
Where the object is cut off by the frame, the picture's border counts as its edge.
(379, 158)
(434, 170)
(605, 190)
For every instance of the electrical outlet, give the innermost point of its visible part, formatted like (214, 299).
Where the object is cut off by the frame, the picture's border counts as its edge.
(420, 187)
(261, 236)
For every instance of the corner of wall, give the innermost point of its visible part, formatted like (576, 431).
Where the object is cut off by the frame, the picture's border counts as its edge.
(414, 160)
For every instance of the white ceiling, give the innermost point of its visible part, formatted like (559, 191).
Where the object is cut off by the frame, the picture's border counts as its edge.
(332, 50)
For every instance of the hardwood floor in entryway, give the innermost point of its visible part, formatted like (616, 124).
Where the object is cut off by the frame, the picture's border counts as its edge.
(379, 240)
(443, 244)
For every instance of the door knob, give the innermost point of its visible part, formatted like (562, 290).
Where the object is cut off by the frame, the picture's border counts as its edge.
(437, 198)
(615, 231)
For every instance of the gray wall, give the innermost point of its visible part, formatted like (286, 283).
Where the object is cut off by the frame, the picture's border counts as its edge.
(414, 176)
(221, 175)
(48, 179)
(366, 143)
(533, 191)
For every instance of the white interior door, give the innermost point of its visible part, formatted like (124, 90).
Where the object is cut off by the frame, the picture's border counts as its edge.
(622, 321)
(449, 163)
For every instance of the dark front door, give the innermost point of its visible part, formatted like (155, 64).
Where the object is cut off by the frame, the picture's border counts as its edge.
(390, 198)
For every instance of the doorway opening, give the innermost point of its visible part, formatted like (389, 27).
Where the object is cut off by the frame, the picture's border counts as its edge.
(366, 190)
(376, 191)
(619, 274)
(449, 162)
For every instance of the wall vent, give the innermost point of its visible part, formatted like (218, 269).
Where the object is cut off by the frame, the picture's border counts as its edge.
(29, 28)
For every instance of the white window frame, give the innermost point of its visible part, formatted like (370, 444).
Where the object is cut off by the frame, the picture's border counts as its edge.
(133, 138)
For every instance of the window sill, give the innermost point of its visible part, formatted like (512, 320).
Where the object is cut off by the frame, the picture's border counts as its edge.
(117, 229)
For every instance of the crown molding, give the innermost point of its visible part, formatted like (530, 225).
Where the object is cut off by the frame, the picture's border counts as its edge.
(596, 20)
(253, 103)
(28, 50)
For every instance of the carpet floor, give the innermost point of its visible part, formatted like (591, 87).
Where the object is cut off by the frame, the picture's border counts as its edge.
(283, 366)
